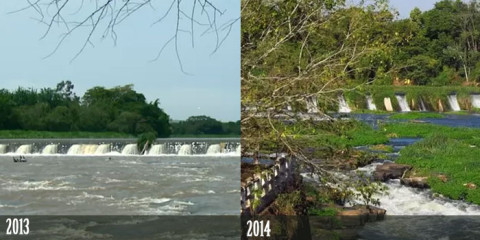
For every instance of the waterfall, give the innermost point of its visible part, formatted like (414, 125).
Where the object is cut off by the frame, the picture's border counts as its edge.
(103, 148)
(3, 148)
(24, 149)
(402, 102)
(213, 149)
(157, 149)
(452, 101)
(50, 149)
(421, 105)
(186, 149)
(370, 104)
(475, 100)
(239, 150)
(342, 105)
(312, 104)
(130, 149)
(289, 107)
(75, 149)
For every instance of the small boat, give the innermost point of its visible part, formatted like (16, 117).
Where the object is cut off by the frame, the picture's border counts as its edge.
(20, 159)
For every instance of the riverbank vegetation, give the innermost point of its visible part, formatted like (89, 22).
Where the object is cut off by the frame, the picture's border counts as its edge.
(450, 163)
(415, 115)
(302, 55)
(100, 112)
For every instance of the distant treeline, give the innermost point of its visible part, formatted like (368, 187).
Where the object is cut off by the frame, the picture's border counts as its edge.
(203, 125)
(119, 109)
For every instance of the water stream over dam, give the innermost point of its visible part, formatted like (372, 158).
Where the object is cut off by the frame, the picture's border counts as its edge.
(174, 146)
(81, 176)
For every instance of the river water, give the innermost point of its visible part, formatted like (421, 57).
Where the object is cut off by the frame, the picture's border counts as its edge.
(403, 200)
(62, 184)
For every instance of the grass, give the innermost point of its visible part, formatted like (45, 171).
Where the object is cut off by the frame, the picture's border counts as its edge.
(443, 154)
(382, 148)
(8, 134)
(341, 134)
(423, 130)
(416, 115)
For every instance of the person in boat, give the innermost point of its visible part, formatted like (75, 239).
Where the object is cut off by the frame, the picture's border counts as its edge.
(20, 159)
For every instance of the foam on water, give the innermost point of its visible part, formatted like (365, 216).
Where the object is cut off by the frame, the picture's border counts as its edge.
(370, 104)
(24, 149)
(3, 148)
(452, 101)
(130, 149)
(214, 149)
(239, 150)
(403, 200)
(157, 149)
(50, 149)
(103, 149)
(402, 102)
(75, 149)
(475, 100)
(186, 149)
(342, 105)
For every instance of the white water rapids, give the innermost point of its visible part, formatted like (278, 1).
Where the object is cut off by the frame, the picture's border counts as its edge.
(402, 102)
(342, 105)
(370, 104)
(452, 101)
(403, 200)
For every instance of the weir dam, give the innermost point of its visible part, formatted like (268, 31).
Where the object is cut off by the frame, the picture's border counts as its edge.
(127, 146)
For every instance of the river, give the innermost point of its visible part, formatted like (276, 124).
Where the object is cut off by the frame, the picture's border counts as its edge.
(112, 183)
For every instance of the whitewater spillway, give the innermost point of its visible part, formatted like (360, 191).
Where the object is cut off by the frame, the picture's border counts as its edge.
(177, 146)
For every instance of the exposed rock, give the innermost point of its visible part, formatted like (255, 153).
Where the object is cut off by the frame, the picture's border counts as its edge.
(416, 182)
(390, 171)
(359, 215)
(443, 178)
(470, 185)
(388, 104)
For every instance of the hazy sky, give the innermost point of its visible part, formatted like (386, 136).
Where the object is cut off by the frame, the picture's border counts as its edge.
(211, 87)
(404, 7)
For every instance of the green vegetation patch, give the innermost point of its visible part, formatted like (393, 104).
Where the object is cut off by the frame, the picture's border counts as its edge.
(456, 159)
(467, 135)
(339, 134)
(416, 115)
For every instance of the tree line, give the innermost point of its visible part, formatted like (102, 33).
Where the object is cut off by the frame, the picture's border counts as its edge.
(365, 44)
(204, 125)
(119, 109)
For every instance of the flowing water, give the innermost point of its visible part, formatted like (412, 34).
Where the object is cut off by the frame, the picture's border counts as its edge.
(452, 101)
(421, 105)
(342, 105)
(69, 178)
(475, 100)
(402, 102)
(70, 185)
(311, 104)
(370, 104)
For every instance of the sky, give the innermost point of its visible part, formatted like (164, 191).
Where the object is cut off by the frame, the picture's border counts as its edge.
(209, 85)
(404, 7)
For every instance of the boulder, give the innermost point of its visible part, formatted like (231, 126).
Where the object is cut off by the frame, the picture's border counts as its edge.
(360, 214)
(390, 171)
(416, 182)
(470, 185)
(442, 178)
